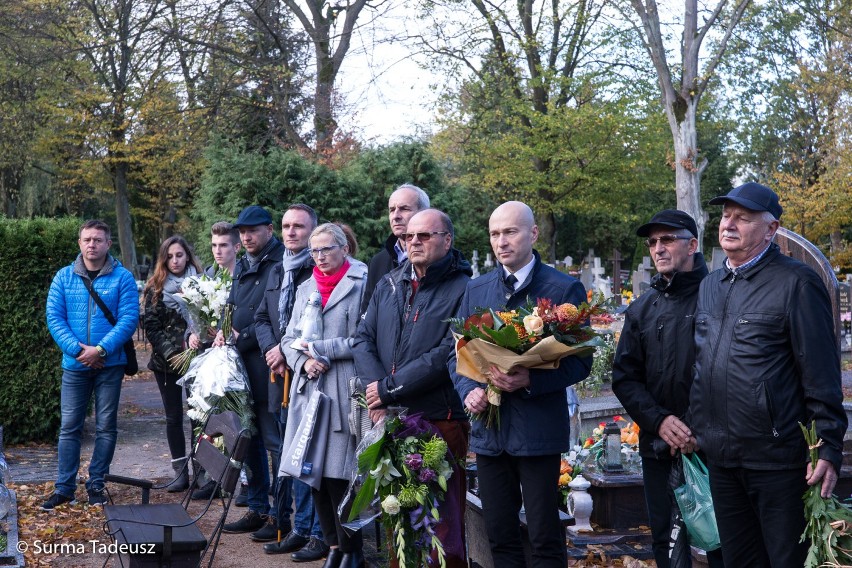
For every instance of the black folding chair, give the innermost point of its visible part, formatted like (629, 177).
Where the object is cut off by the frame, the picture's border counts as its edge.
(166, 534)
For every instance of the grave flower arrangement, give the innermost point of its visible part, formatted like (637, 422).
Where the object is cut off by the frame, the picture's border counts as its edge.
(829, 521)
(406, 469)
(202, 300)
(629, 442)
(536, 336)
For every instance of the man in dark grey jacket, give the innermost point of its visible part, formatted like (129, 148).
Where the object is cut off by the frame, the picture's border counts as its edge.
(402, 346)
(766, 360)
(403, 203)
(652, 371)
(263, 252)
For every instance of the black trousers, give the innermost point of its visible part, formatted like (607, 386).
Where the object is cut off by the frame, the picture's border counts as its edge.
(326, 500)
(172, 395)
(760, 516)
(659, 499)
(505, 483)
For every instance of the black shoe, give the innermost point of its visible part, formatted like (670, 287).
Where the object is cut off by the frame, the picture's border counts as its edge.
(205, 491)
(353, 559)
(268, 532)
(332, 560)
(290, 543)
(97, 497)
(242, 498)
(250, 522)
(314, 550)
(55, 500)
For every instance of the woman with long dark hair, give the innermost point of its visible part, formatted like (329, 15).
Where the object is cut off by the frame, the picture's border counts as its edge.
(165, 328)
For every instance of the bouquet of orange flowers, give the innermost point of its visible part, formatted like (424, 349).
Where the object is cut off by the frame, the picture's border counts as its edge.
(536, 336)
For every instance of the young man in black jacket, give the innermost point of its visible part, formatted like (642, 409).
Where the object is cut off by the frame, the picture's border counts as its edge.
(652, 371)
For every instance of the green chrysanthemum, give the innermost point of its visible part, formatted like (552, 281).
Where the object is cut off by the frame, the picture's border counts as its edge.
(434, 451)
(412, 495)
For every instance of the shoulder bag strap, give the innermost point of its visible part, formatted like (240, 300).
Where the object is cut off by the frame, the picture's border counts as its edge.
(98, 301)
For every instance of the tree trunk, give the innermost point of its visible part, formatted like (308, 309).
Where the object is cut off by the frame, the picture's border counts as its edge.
(689, 165)
(547, 236)
(122, 217)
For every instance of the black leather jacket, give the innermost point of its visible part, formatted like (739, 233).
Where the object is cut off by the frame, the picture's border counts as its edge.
(165, 329)
(766, 360)
(652, 371)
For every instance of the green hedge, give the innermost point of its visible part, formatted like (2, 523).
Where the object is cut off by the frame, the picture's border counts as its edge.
(30, 363)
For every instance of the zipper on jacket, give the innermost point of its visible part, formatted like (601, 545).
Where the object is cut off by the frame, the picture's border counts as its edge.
(770, 408)
(716, 347)
(660, 331)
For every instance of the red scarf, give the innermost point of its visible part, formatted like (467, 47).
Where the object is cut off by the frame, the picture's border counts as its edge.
(327, 282)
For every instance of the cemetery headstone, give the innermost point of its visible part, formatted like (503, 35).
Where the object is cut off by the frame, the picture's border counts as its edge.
(616, 271)
(798, 247)
(717, 260)
(474, 264)
(642, 276)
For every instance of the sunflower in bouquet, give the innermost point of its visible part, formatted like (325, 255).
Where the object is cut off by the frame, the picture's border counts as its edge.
(535, 336)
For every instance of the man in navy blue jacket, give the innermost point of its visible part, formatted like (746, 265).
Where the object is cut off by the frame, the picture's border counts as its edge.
(518, 461)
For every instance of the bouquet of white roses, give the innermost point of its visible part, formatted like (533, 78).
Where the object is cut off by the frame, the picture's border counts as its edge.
(202, 300)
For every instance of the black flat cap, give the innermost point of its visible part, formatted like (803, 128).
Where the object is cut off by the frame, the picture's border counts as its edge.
(252, 216)
(752, 196)
(673, 218)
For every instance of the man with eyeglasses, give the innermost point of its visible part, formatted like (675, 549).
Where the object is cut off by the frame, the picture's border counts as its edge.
(263, 253)
(766, 360)
(518, 462)
(401, 351)
(404, 202)
(652, 370)
(303, 536)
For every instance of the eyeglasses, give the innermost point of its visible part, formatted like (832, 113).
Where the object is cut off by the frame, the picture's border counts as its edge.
(666, 240)
(422, 237)
(322, 252)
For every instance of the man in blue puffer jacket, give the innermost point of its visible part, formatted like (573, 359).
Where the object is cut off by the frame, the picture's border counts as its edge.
(93, 357)
(518, 462)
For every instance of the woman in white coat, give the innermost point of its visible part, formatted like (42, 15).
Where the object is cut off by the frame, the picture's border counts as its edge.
(327, 364)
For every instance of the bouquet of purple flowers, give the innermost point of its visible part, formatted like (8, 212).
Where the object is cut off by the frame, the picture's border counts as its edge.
(404, 465)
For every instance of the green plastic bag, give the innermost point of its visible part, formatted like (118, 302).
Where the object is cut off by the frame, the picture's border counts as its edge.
(696, 505)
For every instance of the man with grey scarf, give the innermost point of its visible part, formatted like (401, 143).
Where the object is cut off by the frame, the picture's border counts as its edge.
(271, 319)
(263, 253)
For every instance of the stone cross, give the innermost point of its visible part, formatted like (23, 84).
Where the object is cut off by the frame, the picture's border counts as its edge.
(616, 271)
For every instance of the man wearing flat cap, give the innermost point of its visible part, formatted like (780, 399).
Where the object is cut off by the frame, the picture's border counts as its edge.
(766, 360)
(263, 252)
(652, 371)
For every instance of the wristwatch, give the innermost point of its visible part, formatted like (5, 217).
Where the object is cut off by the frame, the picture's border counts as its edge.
(101, 351)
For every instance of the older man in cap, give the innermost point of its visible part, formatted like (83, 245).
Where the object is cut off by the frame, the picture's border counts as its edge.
(652, 371)
(263, 253)
(766, 360)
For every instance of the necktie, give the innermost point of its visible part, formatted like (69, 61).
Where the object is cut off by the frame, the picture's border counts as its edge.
(509, 283)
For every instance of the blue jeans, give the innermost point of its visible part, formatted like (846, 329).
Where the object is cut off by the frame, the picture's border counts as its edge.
(77, 388)
(306, 522)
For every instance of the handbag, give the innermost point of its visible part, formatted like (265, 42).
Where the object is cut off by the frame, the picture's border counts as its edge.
(359, 415)
(131, 367)
(305, 457)
(696, 504)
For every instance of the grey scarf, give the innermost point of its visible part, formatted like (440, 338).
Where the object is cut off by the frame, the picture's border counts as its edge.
(292, 263)
(172, 285)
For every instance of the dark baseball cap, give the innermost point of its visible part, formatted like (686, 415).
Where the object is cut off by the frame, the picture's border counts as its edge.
(752, 196)
(673, 218)
(252, 216)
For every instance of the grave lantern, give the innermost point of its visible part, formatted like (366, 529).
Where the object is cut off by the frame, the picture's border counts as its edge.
(612, 448)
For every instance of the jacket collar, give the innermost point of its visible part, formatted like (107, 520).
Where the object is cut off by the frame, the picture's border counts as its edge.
(452, 262)
(109, 264)
(682, 280)
(770, 254)
(357, 271)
